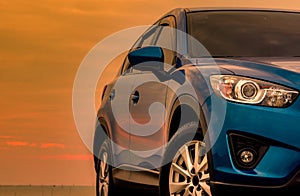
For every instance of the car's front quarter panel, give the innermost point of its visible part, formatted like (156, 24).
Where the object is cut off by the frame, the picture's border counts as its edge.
(279, 128)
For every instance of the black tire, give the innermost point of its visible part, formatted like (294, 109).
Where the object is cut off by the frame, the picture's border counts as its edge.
(104, 181)
(193, 178)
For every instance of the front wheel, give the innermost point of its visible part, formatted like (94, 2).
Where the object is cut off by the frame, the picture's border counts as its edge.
(187, 172)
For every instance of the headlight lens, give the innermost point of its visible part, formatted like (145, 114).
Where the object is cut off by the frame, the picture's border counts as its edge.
(252, 91)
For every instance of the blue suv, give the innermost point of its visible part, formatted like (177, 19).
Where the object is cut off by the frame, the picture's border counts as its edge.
(205, 103)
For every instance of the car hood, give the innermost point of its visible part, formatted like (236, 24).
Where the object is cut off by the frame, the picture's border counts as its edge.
(288, 63)
(280, 70)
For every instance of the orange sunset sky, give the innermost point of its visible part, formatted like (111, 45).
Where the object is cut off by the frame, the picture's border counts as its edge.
(42, 45)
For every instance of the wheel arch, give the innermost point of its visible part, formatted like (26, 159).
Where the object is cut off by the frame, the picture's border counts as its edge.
(187, 105)
(173, 125)
(100, 130)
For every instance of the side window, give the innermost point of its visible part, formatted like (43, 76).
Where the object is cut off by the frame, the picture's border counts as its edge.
(167, 36)
(167, 39)
(159, 34)
(147, 39)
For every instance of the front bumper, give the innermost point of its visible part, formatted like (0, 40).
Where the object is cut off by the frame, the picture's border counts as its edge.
(292, 188)
(277, 128)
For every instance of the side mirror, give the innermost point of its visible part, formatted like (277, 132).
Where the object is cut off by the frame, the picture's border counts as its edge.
(146, 54)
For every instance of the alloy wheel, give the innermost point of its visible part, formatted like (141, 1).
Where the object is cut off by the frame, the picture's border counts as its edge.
(103, 176)
(189, 171)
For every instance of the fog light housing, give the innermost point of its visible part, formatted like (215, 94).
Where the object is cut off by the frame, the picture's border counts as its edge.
(246, 150)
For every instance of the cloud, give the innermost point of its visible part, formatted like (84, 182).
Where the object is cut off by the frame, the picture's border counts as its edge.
(52, 145)
(17, 143)
(29, 144)
(6, 137)
(70, 157)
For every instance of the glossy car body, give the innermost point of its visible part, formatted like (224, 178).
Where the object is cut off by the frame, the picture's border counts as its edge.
(245, 101)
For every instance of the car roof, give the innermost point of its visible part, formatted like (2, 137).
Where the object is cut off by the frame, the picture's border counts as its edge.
(181, 10)
(195, 9)
(176, 11)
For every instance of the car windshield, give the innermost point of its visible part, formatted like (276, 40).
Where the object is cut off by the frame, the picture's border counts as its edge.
(245, 33)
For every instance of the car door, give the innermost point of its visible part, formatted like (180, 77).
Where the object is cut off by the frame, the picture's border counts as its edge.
(147, 104)
(117, 109)
(119, 117)
(117, 99)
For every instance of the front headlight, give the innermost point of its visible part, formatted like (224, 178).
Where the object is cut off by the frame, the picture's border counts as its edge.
(252, 91)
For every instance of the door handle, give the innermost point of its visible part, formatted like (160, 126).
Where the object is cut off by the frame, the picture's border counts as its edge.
(135, 97)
